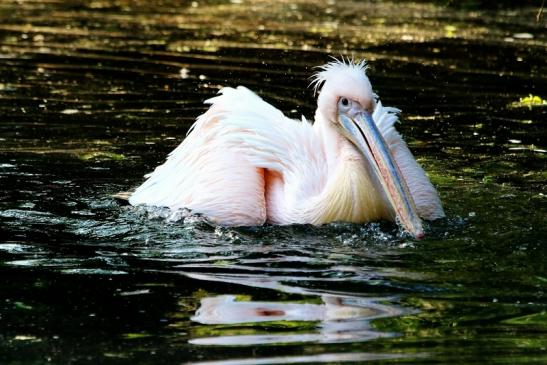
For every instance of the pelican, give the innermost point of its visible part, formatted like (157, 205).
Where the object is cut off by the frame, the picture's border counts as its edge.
(243, 163)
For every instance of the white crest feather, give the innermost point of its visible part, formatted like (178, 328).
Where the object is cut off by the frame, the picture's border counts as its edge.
(326, 71)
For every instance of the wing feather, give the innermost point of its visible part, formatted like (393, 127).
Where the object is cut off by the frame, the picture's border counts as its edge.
(205, 174)
(218, 169)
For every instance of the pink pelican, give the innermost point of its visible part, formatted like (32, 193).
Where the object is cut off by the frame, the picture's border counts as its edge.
(243, 163)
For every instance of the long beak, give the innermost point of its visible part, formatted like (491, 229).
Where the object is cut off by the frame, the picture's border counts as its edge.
(364, 133)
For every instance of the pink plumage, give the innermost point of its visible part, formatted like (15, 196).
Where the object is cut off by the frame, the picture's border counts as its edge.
(244, 163)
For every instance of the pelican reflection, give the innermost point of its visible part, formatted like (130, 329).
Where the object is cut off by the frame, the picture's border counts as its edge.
(334, 319)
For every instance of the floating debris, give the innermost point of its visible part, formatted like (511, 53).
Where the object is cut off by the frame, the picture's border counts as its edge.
(529, 101)
(101, 155)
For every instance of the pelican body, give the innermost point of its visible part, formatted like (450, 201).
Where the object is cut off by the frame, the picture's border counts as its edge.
(243, 163)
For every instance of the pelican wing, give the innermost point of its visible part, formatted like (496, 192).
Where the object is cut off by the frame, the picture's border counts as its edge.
(289, 152)
(206, 174)
(269, 140)
(219, 168)
(423, 192)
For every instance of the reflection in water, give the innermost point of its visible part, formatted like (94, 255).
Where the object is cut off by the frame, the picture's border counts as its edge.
(313, 359)
(338, 319)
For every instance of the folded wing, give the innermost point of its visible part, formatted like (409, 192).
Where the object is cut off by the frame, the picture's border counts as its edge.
(206, 174)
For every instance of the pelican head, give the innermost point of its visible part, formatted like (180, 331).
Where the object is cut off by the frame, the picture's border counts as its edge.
(346, 101)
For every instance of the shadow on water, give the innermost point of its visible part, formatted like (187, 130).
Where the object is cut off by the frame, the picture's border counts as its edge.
(94, 94)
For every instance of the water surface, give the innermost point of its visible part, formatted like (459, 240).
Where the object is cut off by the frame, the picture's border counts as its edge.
(94, 94)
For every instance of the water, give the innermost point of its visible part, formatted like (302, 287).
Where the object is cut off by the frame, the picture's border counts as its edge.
(93, 94)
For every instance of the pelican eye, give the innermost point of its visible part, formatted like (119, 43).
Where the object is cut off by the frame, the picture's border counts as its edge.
(344, 104)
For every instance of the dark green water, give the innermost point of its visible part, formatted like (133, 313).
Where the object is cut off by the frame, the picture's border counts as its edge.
(93, 94)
